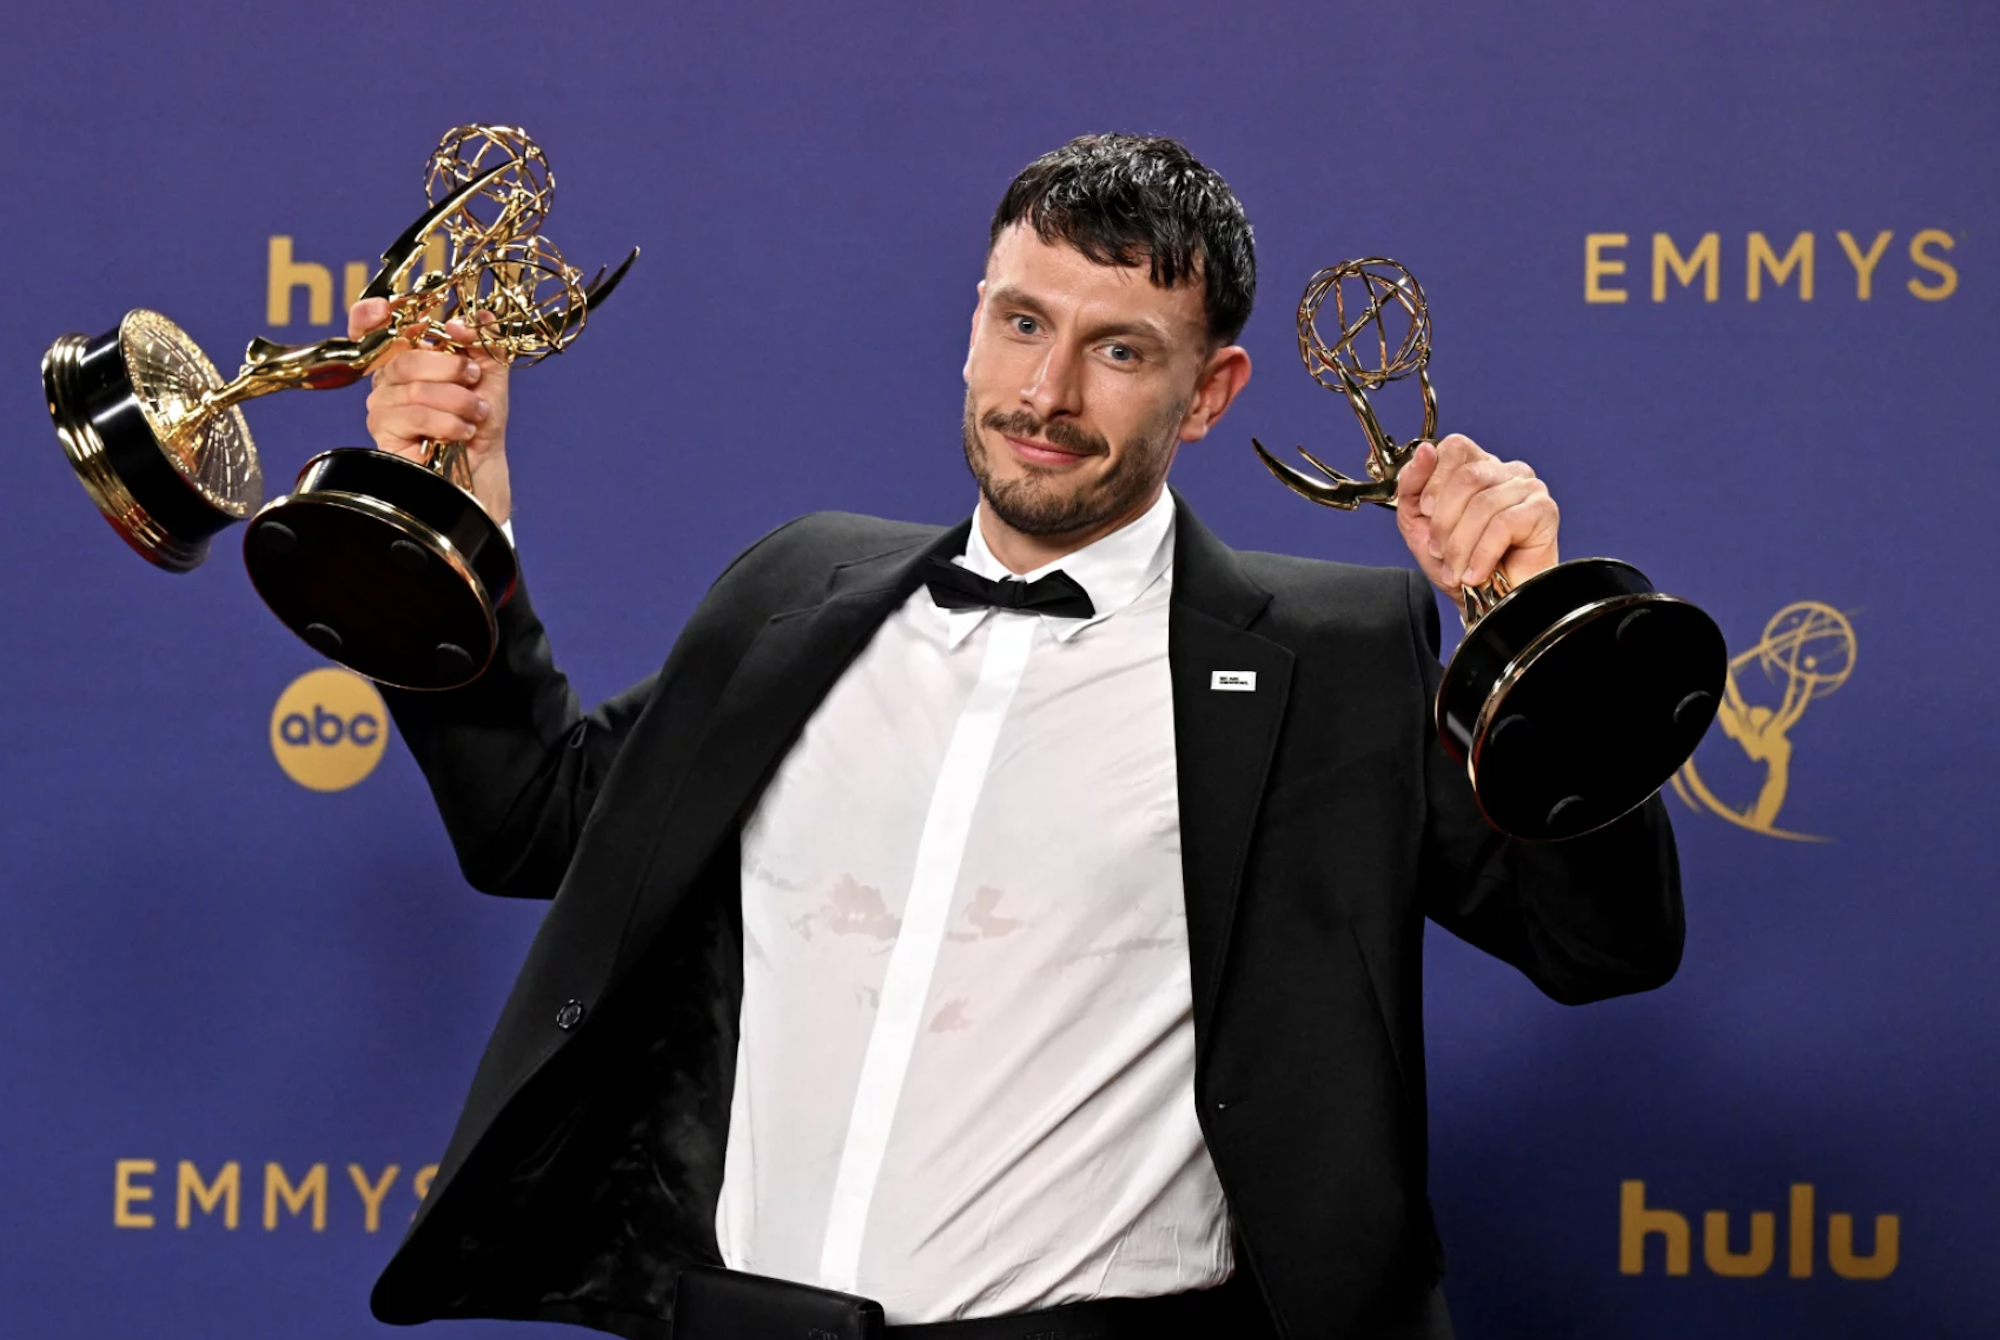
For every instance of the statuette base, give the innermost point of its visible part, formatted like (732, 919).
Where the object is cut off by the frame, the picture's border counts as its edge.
(385, 567)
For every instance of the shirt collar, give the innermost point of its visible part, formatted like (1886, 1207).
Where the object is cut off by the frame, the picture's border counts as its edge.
(1114, 570)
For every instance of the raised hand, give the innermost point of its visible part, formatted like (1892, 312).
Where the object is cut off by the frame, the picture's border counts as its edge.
(426, 394)
(1465, 512)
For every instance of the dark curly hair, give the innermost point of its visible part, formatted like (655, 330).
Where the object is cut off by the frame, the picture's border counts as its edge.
(1124, 199)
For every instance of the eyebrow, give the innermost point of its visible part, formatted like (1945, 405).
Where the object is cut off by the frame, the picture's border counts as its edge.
(1009, 296)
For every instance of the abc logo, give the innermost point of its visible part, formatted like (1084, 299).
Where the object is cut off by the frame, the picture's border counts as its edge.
(329, 729)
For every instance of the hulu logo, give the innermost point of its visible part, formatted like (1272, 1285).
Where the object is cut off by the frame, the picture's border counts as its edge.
(287, 275)
(1725, 1255)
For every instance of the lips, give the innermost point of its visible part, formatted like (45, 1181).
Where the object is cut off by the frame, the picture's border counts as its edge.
(1041, 453)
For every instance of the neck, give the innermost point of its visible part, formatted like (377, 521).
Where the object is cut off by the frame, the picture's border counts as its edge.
(1020, 552)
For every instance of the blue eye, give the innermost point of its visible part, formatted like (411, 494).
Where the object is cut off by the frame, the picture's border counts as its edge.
(1122, 353)
(1024, 325)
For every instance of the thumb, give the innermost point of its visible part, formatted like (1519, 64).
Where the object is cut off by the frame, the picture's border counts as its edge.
(366, 315)
(1410, 481)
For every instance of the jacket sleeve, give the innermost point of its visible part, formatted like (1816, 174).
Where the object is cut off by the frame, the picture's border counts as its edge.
(1587, 918)
(514, 763)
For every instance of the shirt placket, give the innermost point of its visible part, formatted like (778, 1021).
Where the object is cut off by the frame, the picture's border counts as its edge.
(912, 962)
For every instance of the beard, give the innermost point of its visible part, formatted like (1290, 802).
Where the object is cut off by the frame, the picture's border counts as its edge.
(1038, 503)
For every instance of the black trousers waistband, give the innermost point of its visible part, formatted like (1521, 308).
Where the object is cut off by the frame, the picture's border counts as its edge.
(1230, 1311)
(716, 1304)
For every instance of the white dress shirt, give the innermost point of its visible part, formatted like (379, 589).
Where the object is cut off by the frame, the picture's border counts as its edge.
(965, 1082)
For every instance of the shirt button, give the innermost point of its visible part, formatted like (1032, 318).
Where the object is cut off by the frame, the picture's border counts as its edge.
(570, 1015)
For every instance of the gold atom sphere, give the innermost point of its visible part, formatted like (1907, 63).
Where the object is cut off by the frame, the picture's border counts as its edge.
(1809, 644)
(1379, 307)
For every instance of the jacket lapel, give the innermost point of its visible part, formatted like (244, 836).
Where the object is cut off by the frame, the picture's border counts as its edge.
(1223, 737)
(788, 669)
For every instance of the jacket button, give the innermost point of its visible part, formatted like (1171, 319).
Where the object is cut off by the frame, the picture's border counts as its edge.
(570, 1015)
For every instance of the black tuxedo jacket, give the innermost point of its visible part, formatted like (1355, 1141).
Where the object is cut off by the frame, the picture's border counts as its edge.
(1320, 824)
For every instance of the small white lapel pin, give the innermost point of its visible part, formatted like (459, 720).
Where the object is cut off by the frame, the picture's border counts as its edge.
(1234, 681)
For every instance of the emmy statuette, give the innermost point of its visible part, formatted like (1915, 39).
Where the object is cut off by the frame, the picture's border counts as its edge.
(1575, 694)
(388, 566)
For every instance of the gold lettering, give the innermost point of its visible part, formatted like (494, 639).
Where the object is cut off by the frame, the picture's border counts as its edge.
(1715, 1245)
(1596, 265)
(1947, 283)
(126, 1193)
(372, 1194)
(1801, 1243)
(1864, 266)
(1759, 258)
(190, 1190)
(1705, 257)
(278, 1186)
(421, 1184)
(354, 278)
(1636, 1223)
(1840, 1247)
(288, 274)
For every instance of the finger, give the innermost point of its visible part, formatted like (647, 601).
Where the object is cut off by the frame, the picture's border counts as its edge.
(417, 423)
(1448, 500)
(462, 401)
(1416, 473)
(366, 315)
(438, 366)
(1454, 452)
(468, 338)
(1504, 533)
(1471, 524)
(1410, 481)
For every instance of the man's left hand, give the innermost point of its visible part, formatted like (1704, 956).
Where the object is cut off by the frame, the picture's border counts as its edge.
(1465, 512)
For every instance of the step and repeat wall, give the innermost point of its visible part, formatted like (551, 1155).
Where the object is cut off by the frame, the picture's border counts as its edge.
(1722, 272)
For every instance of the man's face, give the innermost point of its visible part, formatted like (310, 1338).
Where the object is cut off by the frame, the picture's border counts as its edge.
(1081, 383)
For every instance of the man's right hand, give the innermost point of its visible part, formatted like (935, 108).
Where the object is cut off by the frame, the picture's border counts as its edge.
(428, 394)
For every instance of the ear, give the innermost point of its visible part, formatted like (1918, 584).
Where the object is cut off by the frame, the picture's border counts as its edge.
(1223, 377)
(979, 305)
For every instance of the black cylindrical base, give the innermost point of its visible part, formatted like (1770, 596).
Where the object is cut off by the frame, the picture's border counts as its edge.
(123, 465)
(1575, 698)
(385, 567)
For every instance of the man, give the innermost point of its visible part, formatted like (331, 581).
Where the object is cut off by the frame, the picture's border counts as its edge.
(999, 949)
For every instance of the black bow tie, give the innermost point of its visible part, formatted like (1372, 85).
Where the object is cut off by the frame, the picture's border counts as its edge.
(956, 588)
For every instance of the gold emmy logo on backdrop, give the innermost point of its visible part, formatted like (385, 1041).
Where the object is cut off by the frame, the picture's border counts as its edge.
(329, 729)
(1806, 653)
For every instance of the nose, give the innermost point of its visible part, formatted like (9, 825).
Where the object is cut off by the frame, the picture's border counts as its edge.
(1056, 387)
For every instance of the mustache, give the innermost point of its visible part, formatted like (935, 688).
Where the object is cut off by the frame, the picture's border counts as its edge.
(1063, 433)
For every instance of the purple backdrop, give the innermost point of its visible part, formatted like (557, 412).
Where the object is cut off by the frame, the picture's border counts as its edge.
(211, 965)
